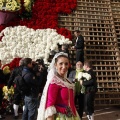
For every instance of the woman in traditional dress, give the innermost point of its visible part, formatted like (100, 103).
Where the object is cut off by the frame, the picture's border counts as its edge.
(57, 101)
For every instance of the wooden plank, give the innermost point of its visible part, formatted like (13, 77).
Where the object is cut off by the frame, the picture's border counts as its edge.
(99, 23)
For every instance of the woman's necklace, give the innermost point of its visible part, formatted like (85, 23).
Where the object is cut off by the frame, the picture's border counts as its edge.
(61, 77)
(64, 79)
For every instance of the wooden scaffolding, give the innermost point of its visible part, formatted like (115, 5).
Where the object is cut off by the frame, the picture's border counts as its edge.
(99, 23)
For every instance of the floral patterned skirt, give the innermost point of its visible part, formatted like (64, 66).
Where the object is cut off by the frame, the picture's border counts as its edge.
(61, 116)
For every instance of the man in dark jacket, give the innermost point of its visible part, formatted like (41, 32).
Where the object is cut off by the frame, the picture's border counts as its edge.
(79, 46)
(31, 98)
(90, 90)
(17, 95)
(42, 70)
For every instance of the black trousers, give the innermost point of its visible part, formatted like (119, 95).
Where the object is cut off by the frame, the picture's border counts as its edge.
(79, 100)
(80, 55)
(17, 97)
(89, 103)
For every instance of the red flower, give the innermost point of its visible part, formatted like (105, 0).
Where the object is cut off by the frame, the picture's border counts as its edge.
(14, 63)
(45, 15)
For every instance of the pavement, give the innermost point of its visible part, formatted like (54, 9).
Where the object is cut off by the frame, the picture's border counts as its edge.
(101, 113)
(106, 113)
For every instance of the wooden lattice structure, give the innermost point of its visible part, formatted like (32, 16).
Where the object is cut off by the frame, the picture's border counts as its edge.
(99, 22)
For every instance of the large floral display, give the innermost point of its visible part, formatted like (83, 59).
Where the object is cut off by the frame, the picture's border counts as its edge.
(34, 32)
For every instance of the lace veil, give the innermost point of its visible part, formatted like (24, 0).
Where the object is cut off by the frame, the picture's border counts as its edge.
(51, 73)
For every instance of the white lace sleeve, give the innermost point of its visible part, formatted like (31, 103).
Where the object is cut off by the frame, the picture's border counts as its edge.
(50, 111)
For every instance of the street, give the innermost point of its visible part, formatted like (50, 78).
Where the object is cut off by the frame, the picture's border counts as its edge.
(101, 113)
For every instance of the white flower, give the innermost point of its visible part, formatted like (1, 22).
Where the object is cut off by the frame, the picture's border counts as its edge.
(80, 75)
(20, 41)
(87, 76)
(1, 44)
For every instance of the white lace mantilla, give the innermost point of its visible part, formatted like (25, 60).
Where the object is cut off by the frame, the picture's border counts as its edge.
(59, 81)
(50, 111)
(51, 74)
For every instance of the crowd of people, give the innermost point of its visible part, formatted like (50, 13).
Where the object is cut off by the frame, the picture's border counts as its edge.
(52, 92)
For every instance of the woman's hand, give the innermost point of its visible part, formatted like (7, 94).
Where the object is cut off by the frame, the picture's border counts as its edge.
(81, 82)
(50, 117)
(74, 80)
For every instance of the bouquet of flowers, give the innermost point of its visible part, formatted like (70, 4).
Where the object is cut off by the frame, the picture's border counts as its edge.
(8, 93)
(6, 70)
(7, 99)
(83, 76)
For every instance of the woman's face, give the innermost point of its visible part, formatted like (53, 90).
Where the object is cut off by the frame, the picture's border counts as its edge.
(62, 66)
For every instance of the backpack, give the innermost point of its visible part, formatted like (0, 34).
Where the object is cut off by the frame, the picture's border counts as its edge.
(21, 85)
